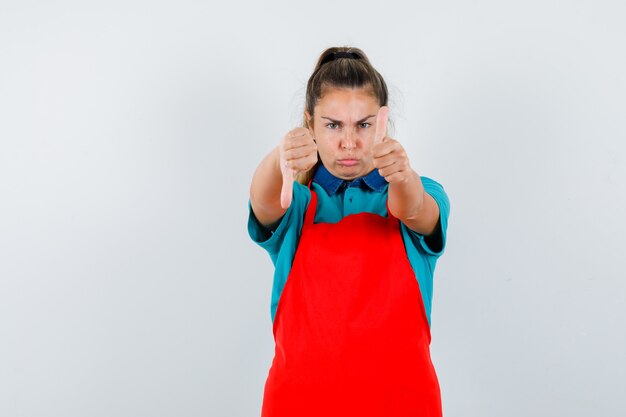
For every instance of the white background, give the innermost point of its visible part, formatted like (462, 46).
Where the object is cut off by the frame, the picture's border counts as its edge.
(129, 132)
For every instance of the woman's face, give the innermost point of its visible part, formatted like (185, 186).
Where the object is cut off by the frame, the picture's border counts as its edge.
(343, 125)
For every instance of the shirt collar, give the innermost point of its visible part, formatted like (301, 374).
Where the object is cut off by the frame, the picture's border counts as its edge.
(332, 184)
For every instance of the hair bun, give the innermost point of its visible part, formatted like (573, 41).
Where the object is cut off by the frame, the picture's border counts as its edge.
(341, 54)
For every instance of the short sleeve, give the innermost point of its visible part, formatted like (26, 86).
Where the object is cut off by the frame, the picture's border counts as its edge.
(434, 244)
(288, 228)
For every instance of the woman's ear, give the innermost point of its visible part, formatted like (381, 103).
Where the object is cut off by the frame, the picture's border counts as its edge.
(309, 121)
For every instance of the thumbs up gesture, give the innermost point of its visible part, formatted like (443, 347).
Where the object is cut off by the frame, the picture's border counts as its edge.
(297, 153)
(388, 154)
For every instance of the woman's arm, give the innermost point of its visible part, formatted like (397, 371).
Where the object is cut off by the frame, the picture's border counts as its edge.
(406, 198)
(272, 184)
(265, 190)
(408, 201)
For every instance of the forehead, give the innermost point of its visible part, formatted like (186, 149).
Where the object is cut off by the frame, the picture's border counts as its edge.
(346, 102)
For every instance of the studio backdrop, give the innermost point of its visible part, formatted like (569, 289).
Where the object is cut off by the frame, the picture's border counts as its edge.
(129, 133)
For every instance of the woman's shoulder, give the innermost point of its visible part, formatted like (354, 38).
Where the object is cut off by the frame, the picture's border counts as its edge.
(430, 182)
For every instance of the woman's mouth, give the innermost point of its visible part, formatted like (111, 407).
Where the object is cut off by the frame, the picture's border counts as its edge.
(347, 162)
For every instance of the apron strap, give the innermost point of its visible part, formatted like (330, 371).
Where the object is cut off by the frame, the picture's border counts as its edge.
(309, 216)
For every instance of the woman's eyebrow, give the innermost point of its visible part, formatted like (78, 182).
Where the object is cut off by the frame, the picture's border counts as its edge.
(339, 121)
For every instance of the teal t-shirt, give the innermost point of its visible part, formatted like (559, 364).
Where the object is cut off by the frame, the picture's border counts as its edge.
(336, 199)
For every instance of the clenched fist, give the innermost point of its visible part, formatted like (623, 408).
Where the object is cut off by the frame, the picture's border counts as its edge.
(297, 153)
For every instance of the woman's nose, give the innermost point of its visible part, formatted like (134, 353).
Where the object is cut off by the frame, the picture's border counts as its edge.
(349, 140)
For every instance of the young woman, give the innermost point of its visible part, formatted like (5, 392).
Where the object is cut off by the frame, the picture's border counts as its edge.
(354, 234)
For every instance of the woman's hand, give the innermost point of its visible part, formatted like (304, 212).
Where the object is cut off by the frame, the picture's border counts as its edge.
(389, 156)
(297, 153)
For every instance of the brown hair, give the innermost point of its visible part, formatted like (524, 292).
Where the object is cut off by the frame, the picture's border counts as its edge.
(341, 67)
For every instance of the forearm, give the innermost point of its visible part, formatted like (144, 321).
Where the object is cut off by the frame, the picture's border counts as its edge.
(405, 198)
(265, 189)
(412, 205)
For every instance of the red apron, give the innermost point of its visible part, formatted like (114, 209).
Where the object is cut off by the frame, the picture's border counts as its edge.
(351, 333)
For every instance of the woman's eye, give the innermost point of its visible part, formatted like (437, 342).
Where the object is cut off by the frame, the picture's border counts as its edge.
(332, 125)
(365, 125)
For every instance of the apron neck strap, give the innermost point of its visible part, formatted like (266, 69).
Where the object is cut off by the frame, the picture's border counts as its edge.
(309, 217)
